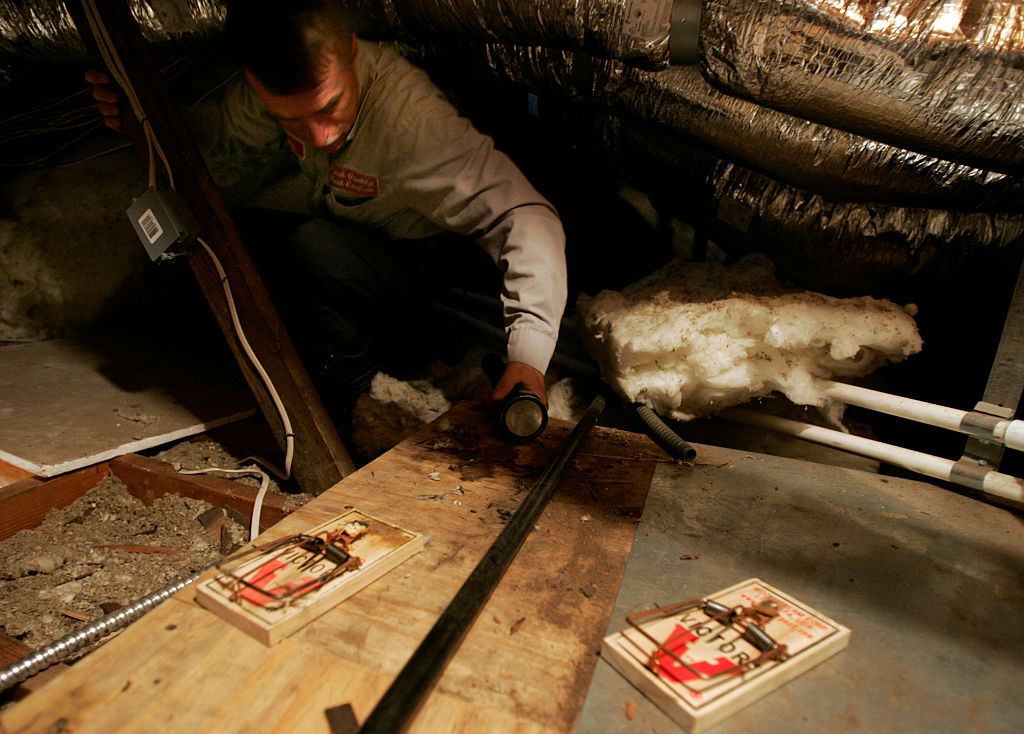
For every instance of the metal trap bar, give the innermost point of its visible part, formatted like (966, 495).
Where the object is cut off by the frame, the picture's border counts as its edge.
(746, 621)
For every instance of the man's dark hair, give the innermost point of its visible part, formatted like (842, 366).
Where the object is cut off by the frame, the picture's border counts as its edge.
(283, 43)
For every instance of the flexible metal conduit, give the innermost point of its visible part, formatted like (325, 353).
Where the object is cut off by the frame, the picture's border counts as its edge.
(664, 436)
(71, 643)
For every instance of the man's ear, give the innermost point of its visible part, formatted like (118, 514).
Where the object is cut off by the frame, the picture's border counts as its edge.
(355, 46)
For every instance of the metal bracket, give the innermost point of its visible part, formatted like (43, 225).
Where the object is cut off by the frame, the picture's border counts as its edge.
(982, 453)
(1001, 397)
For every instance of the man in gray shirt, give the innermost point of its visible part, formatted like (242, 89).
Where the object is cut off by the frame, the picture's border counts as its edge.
(390, 165)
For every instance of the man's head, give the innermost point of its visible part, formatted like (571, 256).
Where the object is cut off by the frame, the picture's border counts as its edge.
(299, 57)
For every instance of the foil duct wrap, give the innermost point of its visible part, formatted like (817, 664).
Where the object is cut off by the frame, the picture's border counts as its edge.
(809, 155)
(636, 31)
(840, 247)
(37, 34)
(944, 78)
(811, 235)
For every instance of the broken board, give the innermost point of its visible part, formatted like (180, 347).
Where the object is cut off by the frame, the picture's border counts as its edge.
(71, 403)
(692, 666)
(246, 595)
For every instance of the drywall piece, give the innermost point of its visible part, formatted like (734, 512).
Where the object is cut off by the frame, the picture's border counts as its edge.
(71, 403)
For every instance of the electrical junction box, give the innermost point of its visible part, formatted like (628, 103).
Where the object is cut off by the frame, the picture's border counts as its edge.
(163, 222)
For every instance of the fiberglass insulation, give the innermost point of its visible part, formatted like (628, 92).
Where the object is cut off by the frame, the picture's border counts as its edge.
(694, 338)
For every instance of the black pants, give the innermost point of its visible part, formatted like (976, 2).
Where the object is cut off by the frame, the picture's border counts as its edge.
(352, 300)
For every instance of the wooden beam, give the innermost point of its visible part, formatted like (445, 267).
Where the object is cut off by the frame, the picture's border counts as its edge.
(24, 504)
(9, 474)
(148, 479)
(321, 459)
(13, 650)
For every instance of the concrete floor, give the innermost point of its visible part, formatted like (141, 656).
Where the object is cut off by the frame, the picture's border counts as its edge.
(929, 580)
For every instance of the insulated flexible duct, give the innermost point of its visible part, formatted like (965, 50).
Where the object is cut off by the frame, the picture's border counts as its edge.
(37, 34)
(941, 78)
(830, 245)
(679, 102)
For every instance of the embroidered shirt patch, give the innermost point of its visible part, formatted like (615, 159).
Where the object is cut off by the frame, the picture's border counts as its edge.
(352, 182)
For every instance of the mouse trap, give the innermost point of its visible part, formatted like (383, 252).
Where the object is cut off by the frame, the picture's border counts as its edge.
(272, 589)
(702, 660)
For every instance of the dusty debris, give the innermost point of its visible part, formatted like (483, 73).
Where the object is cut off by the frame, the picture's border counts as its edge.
(392, 411)
(84, 560)
(454, 493)
(142, 548)
(203, 453)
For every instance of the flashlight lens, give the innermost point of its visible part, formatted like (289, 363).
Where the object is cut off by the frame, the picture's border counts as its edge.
(524, 418)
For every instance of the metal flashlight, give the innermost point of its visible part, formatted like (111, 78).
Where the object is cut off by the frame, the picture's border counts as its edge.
(522, 415)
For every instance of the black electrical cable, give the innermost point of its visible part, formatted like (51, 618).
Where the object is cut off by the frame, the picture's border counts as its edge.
(664, 436)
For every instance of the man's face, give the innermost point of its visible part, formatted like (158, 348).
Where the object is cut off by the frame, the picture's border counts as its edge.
(322, 116)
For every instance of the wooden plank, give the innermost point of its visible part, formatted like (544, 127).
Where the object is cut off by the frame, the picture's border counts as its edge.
(9, 474)
(149, 479)
(25, 503)
(11, 651)
(524, 666)
(320, 457)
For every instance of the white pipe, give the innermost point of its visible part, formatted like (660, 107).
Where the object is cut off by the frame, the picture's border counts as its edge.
(1009, 433)
(1001, 485)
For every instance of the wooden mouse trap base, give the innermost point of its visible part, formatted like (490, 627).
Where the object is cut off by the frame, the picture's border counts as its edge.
(271, 590)
(702, 661)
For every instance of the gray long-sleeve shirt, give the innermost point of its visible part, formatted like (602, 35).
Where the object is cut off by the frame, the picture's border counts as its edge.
(413, 168)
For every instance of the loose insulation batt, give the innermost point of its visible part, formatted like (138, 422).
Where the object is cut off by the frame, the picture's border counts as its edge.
(693, 338)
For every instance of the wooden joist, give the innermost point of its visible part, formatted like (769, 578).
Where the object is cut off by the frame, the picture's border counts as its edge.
(149, 479)
(9, 474)
(320, 457)
(11, 651)
(24, 504)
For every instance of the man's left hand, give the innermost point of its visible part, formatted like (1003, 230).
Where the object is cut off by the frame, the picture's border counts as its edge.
(520, 373)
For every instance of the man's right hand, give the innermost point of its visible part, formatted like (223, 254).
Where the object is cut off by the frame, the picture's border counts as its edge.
(108, 100)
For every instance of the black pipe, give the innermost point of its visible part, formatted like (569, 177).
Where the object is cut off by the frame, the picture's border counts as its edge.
(402, 700)
(664, 436)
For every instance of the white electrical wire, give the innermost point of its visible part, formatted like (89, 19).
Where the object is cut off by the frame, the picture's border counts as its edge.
(258, 366)
(120, 76)
(254, 527)
(112, 59)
